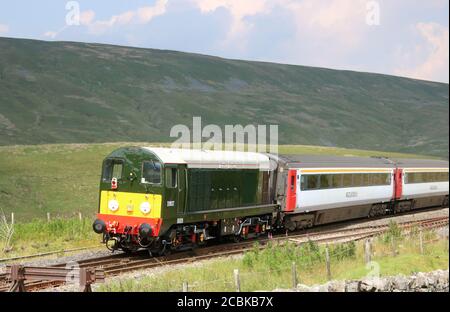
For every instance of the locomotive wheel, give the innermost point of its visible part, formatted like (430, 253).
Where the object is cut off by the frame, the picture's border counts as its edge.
(236, 238)
(291, 226)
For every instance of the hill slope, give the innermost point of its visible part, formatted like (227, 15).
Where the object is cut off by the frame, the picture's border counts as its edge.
(64, 92)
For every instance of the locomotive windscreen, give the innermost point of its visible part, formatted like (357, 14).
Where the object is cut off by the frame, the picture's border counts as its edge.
(112, 168)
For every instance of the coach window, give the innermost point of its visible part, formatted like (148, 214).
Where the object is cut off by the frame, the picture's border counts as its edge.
(409, 178)
(365, 179)
(303, 181)
(171, 177)
(326, 181)
(151, 172)
(313, 182)
(387, 178)
(419, 177)
(358, 180)
(377, 179)
(347, 181)
(337, 180)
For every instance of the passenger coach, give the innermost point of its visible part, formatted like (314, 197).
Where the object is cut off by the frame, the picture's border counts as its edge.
(424, 183)
(313, 190)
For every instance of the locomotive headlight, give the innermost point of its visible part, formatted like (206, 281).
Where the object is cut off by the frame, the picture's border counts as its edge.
(113, 205)
(145, 207)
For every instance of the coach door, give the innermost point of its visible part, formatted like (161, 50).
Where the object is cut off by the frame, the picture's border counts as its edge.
(398, 183)
(171, 188)
(181, 189)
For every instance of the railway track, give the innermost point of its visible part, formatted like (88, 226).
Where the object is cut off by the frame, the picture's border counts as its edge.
(121, 263)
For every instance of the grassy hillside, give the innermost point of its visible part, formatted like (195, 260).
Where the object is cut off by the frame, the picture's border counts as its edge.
(61, 92)
(63, 179)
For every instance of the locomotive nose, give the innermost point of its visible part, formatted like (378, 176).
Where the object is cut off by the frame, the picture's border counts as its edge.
(99, 226)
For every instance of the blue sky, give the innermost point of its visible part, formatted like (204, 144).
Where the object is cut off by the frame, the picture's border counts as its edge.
(398, 37)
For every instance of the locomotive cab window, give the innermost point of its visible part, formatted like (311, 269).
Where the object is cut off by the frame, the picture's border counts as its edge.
(112, 168)
(151, 172)
(171, 177)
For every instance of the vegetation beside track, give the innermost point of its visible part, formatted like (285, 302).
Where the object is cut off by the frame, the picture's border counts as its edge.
(40, 236)
(63, 179)
(271, 267)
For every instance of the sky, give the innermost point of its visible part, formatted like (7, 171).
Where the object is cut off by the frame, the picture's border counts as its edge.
(397, 37)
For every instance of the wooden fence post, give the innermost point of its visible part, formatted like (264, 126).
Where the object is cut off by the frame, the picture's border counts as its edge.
(394, 253)
(367, 251)
(80, 216)
(294, 275)
(48, 216)
(12, 218)
(446, 243)
(237, 281)
(327, 259)
(421, 242)
(185, 287)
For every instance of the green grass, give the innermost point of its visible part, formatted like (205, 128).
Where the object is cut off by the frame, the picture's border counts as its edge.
(270, 268)
(65, 92)
(40, 236)
(63, 179)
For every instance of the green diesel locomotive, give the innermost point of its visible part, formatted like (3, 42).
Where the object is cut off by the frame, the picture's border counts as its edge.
(163, 199)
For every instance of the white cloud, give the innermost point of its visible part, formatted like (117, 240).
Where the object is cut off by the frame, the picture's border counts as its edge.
(337, 23)
(4, 29)
(51, 34)
(142, 15)
(342, 22)
(146, 14)
(239, 10)
(86, 17)
(431, 58)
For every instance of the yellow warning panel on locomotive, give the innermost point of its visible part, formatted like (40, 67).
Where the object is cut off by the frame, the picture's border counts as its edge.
(130, 204)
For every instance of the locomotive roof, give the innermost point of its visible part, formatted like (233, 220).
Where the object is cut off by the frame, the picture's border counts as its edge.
(320, 161)
(210, 159)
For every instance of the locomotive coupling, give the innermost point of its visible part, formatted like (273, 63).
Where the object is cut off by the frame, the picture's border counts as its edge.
(99, 226)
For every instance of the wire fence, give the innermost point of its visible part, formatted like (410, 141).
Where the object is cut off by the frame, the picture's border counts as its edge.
(11, 218)
(327, 262)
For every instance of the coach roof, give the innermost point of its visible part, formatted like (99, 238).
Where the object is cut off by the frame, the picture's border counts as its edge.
(420, 163)
(320, 161)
